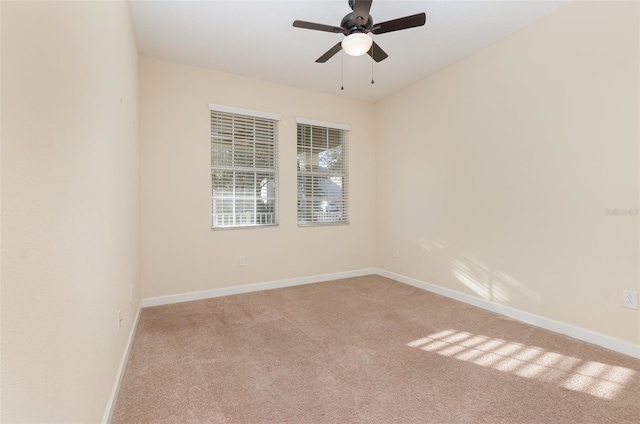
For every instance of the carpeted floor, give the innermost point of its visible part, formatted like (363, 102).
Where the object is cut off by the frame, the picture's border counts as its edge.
(364, 350)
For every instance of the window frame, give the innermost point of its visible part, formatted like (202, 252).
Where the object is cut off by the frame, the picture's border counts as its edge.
(264, 124)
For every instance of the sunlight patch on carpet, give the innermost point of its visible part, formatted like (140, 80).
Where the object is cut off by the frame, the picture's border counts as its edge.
(594, 378)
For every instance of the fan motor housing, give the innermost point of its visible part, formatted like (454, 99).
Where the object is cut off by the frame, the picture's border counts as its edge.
(352, 25)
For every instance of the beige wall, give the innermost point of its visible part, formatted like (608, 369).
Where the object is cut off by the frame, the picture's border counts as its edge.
(498, 169)
(180, 252)
(494, 174)
(70, 214)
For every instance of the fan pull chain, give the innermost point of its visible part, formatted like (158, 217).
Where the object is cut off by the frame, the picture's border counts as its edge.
(372, 81)
(342, 71)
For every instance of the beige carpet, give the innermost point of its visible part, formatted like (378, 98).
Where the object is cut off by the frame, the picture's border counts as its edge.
(364, 350)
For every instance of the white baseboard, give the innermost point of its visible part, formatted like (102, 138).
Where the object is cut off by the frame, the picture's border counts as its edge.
(527, 317)
(108, 413)
(227, 291)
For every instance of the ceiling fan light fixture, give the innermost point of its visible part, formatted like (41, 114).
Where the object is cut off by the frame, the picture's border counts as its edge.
(357, 44)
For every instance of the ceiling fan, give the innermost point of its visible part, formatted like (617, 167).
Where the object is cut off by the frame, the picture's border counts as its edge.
(357, 26)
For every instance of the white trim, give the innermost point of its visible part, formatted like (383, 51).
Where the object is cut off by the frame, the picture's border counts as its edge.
(527, 317)
(227, 291)
(337, 126)
(247, 112)
(578, 333)
(111, 404)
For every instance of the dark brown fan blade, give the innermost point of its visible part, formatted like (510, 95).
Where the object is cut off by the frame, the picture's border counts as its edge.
(400, 23)
(361, 10)
(317, 27)
(329, 54)
(377, 53)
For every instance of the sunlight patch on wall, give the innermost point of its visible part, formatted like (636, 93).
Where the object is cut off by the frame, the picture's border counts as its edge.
(431, 245)
(484, 280)
(490, 284)
(590, 377)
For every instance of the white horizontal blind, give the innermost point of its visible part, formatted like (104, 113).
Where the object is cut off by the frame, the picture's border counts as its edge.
(323, 189)
(244, 170)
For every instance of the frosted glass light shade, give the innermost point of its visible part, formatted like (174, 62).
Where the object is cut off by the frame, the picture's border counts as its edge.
(357, 44)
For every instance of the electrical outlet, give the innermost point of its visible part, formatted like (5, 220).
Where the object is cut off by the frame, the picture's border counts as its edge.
(119, 319)
(630, 299)
(396, 253)
(242, 261)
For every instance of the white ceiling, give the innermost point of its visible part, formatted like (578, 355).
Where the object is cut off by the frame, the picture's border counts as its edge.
(256, 39)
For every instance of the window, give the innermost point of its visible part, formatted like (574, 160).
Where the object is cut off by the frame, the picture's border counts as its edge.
(244, 168)
(322, 173)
